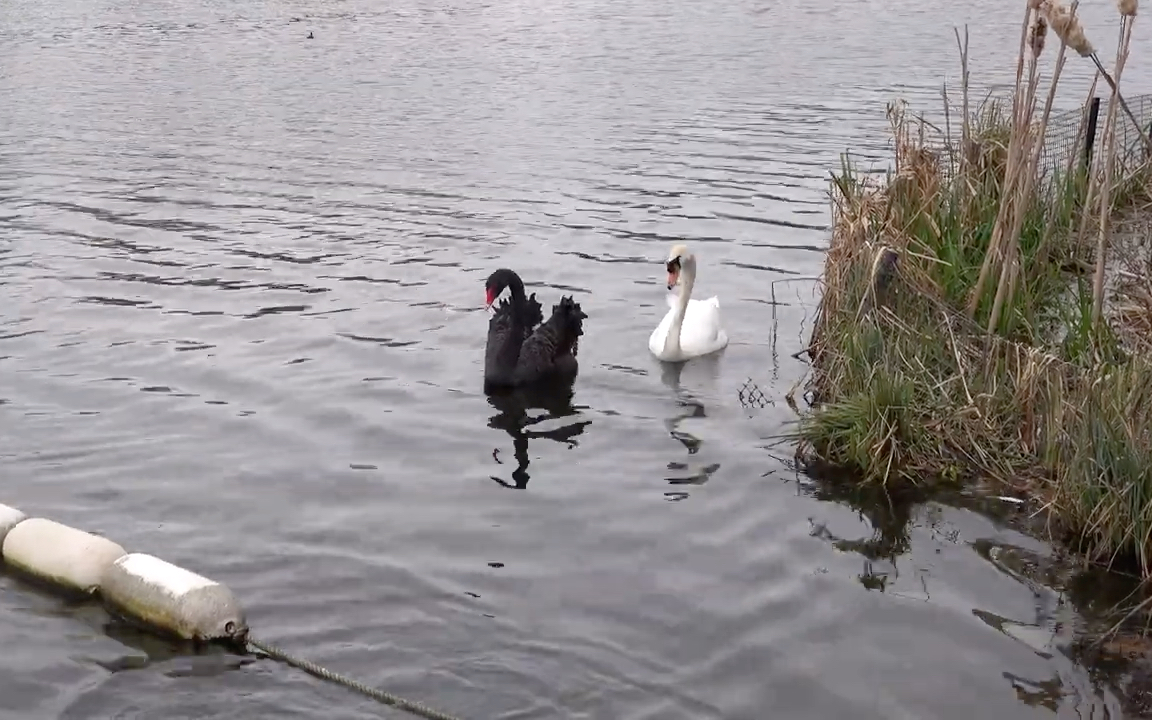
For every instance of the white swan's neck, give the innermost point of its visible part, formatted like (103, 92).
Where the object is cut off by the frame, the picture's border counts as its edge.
(687, 280)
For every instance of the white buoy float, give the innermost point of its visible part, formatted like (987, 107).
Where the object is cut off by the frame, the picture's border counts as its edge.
(10, 517)
(170, 598)
(60, 555)
(144, 588)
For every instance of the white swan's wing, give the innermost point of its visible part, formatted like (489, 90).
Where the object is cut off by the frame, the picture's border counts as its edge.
(659, 334)
(702, 332)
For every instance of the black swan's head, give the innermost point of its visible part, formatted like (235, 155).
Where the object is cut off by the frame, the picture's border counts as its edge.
(497, 282)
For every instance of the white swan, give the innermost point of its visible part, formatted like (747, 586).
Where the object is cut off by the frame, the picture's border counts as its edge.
(692, 327)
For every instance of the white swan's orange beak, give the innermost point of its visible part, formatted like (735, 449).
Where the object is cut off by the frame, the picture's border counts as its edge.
(673, 277)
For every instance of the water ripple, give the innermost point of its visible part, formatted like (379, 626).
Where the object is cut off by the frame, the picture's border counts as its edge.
(244, 331)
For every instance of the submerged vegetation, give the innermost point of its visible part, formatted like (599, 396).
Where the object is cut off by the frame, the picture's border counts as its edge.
(975, 321)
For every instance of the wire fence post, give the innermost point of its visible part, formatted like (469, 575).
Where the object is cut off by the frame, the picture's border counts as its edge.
(1090, 133)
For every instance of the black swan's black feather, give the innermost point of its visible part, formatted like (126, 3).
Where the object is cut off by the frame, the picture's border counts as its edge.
(520, 350)
(551, 349)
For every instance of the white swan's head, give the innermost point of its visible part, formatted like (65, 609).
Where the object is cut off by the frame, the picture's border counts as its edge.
(678, 256)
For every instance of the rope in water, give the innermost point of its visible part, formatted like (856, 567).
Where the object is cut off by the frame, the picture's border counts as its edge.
(325, 674)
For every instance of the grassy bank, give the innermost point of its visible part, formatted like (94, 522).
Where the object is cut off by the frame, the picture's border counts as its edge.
(969, 325)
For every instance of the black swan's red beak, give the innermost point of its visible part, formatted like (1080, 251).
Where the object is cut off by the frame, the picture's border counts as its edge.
(489, 297)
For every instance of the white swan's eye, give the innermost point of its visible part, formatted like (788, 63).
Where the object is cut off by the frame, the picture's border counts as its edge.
(673, 265)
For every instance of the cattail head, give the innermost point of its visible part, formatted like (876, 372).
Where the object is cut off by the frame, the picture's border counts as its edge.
(1067, 27)
(1127, 7)
(1036, 35)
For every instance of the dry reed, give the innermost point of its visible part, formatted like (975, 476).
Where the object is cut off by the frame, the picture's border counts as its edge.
(1127, 16)
(908, 385)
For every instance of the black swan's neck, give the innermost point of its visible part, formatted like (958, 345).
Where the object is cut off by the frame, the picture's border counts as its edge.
(507, 329)
(516, 287)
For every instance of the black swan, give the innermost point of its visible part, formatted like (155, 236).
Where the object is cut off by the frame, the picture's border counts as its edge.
(520, 352)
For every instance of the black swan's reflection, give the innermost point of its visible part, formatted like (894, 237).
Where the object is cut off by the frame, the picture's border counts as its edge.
(690, 406)
(512, 416)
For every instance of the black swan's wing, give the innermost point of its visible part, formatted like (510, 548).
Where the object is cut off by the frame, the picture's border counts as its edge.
(533, 314)
(551, 348)
(503, 319)
(501, 323)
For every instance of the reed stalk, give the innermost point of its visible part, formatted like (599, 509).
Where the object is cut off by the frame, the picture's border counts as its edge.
(965, 133)
(1034, 141)
(1126, 22)
(1072, 172)
(995, 253)
(1030, 143)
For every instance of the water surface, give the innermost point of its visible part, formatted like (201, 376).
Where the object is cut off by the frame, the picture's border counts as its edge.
(242, 330)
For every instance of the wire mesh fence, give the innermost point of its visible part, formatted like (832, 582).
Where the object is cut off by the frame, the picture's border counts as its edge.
(1128, 137)
(1071, 136)
(751, 396)
(1063, 143)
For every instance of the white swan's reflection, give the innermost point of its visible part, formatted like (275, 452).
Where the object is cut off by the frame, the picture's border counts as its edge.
(689, 405)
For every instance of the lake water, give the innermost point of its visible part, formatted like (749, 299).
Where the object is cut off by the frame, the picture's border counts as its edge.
(242, 329)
